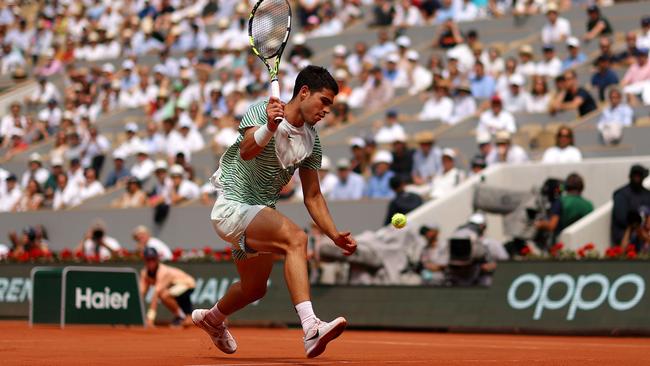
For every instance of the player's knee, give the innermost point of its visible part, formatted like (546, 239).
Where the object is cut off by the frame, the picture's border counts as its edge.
(297, 241)
(254, 293)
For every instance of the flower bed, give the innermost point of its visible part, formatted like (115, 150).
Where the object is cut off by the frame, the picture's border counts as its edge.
(587, 251)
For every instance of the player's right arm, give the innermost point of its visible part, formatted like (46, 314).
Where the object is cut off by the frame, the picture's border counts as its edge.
(254, 137)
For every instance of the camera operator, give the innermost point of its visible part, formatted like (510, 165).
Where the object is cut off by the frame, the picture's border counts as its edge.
(434, 258)
(97, 243)
(637, 233)
(470, 260)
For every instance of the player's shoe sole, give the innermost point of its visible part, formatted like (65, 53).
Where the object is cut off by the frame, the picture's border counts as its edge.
(219, 335)
(325, 333)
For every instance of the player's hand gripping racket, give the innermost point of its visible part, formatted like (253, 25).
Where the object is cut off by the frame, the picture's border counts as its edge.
(269, 26)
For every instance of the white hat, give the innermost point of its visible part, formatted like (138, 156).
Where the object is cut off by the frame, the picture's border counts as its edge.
(185, 123)
(502, 136)
(357, 141)
(43, 115)
(160, 69)
(160, 165)
(35, 157)
(176, 170)
(119, 154)
(393, 57)
(412, 55)
(573, 42)
(517, 79)
(340, 50)
(141, 149)
(68, 115)
(403, 41)
(399, 136)
(184, 63)
(131, 127)
(299, 39)
(303, 64)
(483, 137)
(108, 67)
(477, 218)
(382, 156)
(449, 152)
(326, 163)
(56, 161)
(15, 131)
(343, 163)
(340, 74)
(223, 22)
(128, 64)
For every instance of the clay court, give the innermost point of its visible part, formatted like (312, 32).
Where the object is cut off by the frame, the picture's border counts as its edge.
(81, 345)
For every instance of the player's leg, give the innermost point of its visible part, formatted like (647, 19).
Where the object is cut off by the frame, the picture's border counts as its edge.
(170, 302)
(273, 232)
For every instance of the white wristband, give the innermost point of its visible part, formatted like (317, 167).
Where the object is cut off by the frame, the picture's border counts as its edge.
(262, 136)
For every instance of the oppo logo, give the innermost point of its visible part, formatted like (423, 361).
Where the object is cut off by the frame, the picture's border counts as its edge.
(573, 296)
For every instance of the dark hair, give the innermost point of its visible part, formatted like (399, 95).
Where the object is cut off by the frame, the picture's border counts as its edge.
(574, 183)
(565, 128)
(395, 182)
(316, 78)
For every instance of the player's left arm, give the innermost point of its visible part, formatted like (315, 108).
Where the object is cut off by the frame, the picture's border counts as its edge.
(317, 207)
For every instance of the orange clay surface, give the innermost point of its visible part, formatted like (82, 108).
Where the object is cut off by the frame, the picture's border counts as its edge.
(95, 345)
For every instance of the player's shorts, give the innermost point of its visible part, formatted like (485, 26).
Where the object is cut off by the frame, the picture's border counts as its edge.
(230, 220)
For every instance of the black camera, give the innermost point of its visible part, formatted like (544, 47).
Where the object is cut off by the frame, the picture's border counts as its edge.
(97, 234)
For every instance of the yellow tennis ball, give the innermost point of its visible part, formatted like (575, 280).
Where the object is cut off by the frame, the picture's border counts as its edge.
(398, 220)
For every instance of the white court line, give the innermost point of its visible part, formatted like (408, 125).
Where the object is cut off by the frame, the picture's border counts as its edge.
(401, 362)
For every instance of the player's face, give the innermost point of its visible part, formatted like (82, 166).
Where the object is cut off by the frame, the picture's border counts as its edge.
(315, 106)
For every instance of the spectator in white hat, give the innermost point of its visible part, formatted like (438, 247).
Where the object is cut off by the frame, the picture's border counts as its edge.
(360, 162)
(506, 151)
(144, 166)
(45, 91)
(190, 138)
(91, 187)
(95, 147)
(550, 65)
(183, 189)
(349, 186)
(153, 141)
(379, 182)
(467, 11)
(449, 177)
(66, 194)
(120, 172)
(383, 47)
(129, 78)
(391, 127)
(13, 120)
(132, 142)
(418, 77)
(35, 171)
(557, 29)
(427, 159)
(11, 194)
(439, 106)
(496, 119)
(527, 66)
(356, 59)
(517, 98)
(464, 104)
(406, 15)
(575, 57)
(393, 74)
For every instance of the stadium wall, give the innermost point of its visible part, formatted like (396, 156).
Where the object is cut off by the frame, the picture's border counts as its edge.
(578, 297)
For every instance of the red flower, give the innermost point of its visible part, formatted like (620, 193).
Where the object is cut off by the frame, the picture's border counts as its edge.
(23, 257)
(581, 252)
(525, 251)
(631, 254)
(66, 253)
(218, 256)
(618, 250)
(178, 252)
(79, 254)
(207, 251)
(36, 253)
(589, 246)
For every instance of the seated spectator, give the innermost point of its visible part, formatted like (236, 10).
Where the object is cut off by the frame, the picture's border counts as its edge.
(439, 106)
(96, 243)
(350, 185)
(91, 187)
(133, 197)
(378, 184)
(616, 116)
(418, 77)
(11, 194)
(45, 91)
(517, 98)
(182, 189)
(143, 239)
(360, 162)
(597, 24)
(391, 128)
(505, 151)
(496, 119)
(604, 77)
(539, 96)
(573, 97)
(383, 47)
(32, 198)
(95, 148)
(434, 257)
(557, 29)
(503, 79)
(550, 65)
(427, 160)
(605, 47)
(527, 66)
(32, 238)
(627, 56)
(326, 179)
(464, 104)
(403, 201)
(143, 167)
(190, 138)
(15, 120)
(35, 170)
(638, 74)
(467, 12)
(449, 177)
(120, 173)
(482, 85)
(402, 162)
(66, 195)
(378, 91)
(383, 12)
(628, 200)
(132, 142)
(575, 57)
(477, 164)
(637, 234)
(493, 62)
(15, 143)
(407, 15)
(564, 151)
(643, 40)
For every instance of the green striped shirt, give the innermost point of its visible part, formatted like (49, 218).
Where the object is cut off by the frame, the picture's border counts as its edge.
(258, 181)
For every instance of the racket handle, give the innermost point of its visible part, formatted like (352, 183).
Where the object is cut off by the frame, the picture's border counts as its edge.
(275, 93)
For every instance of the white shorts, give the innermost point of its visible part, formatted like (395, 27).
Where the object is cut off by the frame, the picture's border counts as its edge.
(230, 220)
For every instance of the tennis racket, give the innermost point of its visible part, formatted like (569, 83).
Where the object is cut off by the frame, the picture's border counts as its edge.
(269, 26)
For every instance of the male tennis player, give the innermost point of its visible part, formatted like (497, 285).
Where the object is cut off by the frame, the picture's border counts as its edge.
(248, 181)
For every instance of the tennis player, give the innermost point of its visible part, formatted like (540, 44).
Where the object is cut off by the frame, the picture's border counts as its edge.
(249, 179)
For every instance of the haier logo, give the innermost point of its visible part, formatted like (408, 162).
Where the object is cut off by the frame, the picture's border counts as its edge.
(573, 296)
(100, 300)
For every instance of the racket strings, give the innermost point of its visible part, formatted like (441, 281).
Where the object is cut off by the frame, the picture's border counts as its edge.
(269, 26)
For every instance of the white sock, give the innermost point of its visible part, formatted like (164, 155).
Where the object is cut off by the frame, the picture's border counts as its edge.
(180, 313)
(214, 316)
(307, 317)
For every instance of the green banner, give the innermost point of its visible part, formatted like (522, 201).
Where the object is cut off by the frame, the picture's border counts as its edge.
(101, 295)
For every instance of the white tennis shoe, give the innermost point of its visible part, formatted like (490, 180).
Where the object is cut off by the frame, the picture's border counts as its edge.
(322, 333)
(219, 334)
